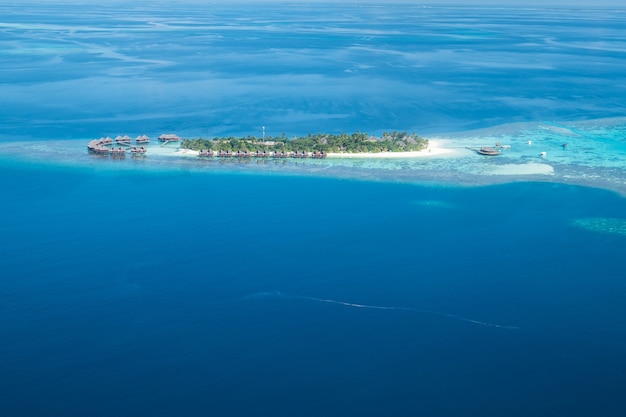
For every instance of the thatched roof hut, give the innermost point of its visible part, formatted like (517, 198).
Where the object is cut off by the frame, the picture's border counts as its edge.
(142, 139)
(169, 137)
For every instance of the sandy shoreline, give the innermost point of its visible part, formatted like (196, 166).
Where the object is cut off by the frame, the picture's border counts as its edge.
(435, 148)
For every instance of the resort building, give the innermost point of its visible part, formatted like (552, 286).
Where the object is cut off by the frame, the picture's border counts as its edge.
(142, 139)
(169, 138)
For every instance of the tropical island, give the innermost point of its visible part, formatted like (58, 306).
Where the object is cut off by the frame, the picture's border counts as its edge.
(321, 143)
(356, 145)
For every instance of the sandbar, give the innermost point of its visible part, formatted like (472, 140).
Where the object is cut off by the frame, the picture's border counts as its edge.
(531, 168)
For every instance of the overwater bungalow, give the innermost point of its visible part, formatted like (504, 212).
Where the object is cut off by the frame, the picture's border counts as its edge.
(168, 137)
(243, 154)
(142, 139)
(138, 150)
(205, 153)
(106, 141)
(101, 150)
(122, 140)
(93, 144)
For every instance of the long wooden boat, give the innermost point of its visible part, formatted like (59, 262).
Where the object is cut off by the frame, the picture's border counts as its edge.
(485, 151)
(488, 151)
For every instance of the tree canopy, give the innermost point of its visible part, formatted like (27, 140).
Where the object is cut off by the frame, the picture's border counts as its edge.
(354, 143)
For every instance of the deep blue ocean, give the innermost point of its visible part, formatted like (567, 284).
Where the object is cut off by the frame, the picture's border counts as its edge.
(177, 291)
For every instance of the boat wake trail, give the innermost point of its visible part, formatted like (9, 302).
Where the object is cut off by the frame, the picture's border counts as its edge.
(278, 294)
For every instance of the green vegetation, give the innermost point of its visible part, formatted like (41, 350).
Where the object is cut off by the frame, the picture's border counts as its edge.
(356, 142)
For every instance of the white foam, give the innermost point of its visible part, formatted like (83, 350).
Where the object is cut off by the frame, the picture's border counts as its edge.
(377, 307)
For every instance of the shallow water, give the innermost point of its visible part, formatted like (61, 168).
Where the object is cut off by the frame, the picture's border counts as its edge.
(591, 153)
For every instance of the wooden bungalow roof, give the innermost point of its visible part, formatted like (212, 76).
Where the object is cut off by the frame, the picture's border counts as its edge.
(168, 136)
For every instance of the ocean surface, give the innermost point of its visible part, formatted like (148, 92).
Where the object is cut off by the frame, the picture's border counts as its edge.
(164, 287)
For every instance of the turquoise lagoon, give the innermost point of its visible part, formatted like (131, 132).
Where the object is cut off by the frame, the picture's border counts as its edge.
(590, 153)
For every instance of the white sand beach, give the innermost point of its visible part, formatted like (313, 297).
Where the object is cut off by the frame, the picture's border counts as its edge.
(170, 150)
(189, 152)
(436, 148)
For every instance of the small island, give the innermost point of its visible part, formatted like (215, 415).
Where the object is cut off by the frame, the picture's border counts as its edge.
(318, 145)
